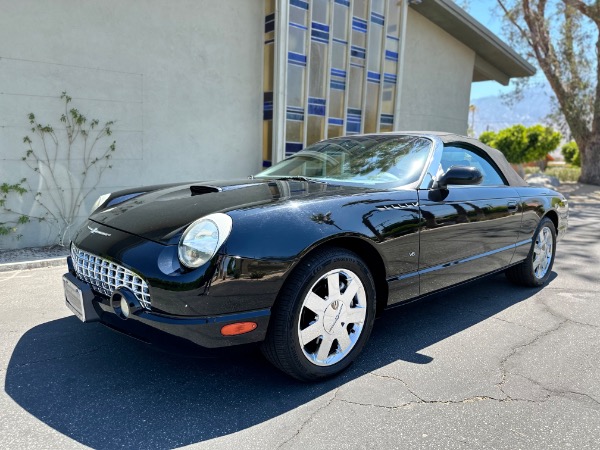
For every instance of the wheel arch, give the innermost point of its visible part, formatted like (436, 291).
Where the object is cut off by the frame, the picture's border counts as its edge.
(553, 216)
(367, 252)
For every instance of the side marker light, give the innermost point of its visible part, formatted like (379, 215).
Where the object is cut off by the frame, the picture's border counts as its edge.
(233, 329)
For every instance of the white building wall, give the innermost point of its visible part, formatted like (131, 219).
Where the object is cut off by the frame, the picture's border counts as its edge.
(436, 82)
(181, 78)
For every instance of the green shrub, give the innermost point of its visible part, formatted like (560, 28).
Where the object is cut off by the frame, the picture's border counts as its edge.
(564, 173)
(571, 153)
(520, 144)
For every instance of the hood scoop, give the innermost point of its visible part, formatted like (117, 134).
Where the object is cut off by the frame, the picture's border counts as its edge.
(199, 190)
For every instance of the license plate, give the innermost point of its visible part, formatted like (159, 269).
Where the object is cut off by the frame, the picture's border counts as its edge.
(79, 298)
(74, 299)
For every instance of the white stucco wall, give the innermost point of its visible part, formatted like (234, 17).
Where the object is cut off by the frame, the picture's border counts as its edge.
(437, 74)
(181, 78)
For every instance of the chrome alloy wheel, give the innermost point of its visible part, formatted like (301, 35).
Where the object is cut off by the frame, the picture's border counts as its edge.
(542, 252)
(332, 317)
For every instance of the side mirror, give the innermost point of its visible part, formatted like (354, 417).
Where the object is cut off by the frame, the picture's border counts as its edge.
(461, 175)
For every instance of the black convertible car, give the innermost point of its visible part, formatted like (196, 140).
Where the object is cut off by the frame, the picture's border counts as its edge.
(304, 255)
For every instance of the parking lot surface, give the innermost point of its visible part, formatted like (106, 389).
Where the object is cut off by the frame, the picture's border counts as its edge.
(487, 365)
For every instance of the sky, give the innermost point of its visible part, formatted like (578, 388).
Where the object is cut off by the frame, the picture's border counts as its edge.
(486, 12)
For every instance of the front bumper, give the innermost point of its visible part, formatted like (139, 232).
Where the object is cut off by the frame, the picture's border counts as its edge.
(167, 330)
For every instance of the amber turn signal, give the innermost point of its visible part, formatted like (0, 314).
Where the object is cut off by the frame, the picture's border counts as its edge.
(234, 329)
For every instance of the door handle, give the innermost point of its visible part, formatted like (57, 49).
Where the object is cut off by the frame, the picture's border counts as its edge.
(512, 207)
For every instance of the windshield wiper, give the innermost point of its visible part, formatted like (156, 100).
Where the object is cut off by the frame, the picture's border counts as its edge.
(297, 178)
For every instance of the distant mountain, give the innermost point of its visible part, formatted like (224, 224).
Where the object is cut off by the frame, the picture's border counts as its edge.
(493, 113)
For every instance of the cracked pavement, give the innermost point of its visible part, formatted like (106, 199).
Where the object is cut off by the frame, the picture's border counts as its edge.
(487, 365)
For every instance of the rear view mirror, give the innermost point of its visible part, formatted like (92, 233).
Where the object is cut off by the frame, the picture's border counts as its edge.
(459, 175)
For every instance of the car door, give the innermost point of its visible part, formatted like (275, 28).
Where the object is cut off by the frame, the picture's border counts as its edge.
(467, 231)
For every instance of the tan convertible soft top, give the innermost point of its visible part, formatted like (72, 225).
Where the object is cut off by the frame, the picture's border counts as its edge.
(497, 156)
(511, 176)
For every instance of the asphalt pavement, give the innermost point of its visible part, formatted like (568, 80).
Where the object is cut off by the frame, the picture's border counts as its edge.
(487, 365)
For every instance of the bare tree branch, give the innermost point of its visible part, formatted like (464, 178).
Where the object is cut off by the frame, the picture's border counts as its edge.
(511, 17)
(593, 12)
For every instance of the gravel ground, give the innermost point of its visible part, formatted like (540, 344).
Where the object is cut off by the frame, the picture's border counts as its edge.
(32, 254)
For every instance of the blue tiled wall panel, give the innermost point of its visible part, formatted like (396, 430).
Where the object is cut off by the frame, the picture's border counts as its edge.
(297, 59)
(339, 85)
(387, 119)
(392, 56)
(299, 4)
(359, 24)
(357, 51)
(377, 18)
(373, 77)
(270, 23)
(316, 106)
(293, 147)
(390, 78)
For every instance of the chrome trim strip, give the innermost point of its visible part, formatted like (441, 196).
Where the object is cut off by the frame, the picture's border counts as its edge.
(433, 164)
(525, 242)
(457, 262)
(397, 206)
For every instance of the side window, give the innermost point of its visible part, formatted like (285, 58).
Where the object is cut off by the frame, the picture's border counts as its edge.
(457, 156)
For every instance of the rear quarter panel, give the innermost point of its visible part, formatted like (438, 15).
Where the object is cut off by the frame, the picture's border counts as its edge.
(537, 203)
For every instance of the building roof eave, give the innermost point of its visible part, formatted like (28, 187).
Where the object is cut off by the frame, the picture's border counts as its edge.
(495, 60)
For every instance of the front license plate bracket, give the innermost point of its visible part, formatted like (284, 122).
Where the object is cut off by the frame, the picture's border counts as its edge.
(79, 298)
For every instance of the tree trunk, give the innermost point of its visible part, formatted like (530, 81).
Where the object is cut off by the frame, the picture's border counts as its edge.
(590, 161)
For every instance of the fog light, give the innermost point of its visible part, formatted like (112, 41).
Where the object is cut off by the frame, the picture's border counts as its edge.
(124, 307)
(124, 303)
(234, 329)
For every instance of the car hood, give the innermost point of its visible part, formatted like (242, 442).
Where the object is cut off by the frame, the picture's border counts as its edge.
(162, 215)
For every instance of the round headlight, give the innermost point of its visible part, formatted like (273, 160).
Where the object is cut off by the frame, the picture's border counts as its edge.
(99, 202)
(203, 238)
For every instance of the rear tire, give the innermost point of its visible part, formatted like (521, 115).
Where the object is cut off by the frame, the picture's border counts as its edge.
(535, 270)
(323, 316)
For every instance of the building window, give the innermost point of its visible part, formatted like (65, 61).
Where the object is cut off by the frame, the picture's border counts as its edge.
(340, 72)
(268, 82)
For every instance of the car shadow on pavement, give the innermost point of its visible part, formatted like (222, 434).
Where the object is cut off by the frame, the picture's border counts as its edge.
(106, 390)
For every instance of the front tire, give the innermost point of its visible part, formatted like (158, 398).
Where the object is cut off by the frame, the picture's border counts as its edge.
(323, 316)
(535, 270)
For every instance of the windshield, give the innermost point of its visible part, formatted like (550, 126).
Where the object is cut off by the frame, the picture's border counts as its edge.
(364, 160)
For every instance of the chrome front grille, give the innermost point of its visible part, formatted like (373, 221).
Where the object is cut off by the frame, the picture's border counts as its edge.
(105, 276)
